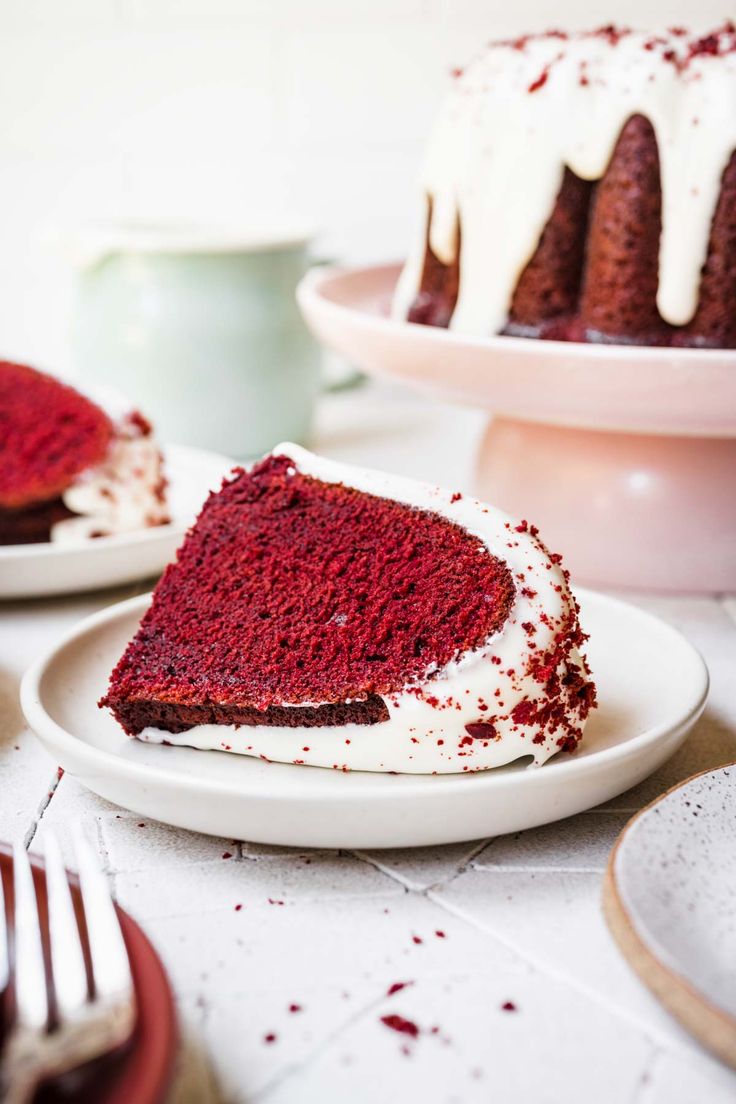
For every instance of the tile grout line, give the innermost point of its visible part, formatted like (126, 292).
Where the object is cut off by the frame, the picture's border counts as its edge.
(652, 1034)
(298, 1067)
(645, 1086)
(689, 1051)
(466, 864)
(368, 861)
(656, 1040)
(410, 887)
(658, 1045)
(503, 868)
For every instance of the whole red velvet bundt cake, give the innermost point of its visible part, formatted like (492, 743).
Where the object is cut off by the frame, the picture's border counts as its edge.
(67, 467)
(583, 187)
(414, 629)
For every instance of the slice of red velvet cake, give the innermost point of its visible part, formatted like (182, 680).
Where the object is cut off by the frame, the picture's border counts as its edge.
(68, 468)
(337, 617)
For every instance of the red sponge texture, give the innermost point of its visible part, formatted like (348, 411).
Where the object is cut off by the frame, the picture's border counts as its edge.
(49, 433)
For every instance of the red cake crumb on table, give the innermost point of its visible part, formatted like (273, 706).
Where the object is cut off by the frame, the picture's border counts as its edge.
(397, 987)
(400, 1024)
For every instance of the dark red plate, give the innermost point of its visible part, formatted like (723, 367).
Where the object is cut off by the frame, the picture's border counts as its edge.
(142, 1072)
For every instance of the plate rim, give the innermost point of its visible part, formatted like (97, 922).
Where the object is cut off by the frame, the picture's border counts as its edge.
(50, 550)
(53, 735)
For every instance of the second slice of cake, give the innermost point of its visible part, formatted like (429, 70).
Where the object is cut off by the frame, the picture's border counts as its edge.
(331, 616)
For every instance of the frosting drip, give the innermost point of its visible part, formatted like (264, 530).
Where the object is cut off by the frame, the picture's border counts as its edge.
(524, 110)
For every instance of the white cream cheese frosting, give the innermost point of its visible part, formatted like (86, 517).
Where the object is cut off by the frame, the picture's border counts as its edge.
(522, 111)
(504, 685)
(123, 493)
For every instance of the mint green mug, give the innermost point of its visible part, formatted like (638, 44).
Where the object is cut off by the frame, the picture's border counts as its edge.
(200, 329)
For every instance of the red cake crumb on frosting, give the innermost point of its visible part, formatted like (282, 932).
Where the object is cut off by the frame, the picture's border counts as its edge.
(295, 601)
(49, 433)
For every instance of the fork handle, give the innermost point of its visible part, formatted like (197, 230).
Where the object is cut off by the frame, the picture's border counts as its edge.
(18, 1082)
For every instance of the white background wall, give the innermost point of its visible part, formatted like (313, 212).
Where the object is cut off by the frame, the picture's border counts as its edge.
(223, 108)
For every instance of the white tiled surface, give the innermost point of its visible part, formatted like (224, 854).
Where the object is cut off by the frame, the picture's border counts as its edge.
(519, 916)
(189, 108)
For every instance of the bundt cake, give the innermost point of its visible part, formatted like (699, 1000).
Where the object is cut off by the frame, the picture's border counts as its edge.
(70, 470)
(324, 615)
(583, 187)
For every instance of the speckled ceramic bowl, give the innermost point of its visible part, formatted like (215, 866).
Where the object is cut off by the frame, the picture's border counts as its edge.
(670, 901)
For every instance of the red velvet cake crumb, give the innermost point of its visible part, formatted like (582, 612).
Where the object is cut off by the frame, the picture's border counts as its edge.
(49, 433)
(400, 1024)
(289, 592)
(481, 730)
(397, 987)
(539, 82)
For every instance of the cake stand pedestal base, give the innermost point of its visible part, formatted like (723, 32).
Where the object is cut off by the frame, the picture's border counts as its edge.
(624, 509)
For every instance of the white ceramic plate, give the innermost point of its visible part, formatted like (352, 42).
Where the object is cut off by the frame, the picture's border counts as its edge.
(670, 900)
(652, 687)
(31, 570)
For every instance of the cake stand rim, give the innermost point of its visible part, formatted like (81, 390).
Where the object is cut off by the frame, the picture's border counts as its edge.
(344, 320)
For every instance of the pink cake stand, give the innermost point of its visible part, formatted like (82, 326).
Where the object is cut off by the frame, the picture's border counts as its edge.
(624, 456)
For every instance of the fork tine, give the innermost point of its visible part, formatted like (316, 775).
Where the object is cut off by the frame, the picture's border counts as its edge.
(110, 965)
(67, 960)
(31, 1000)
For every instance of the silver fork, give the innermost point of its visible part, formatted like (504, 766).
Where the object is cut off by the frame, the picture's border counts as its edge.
(61, 1026)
